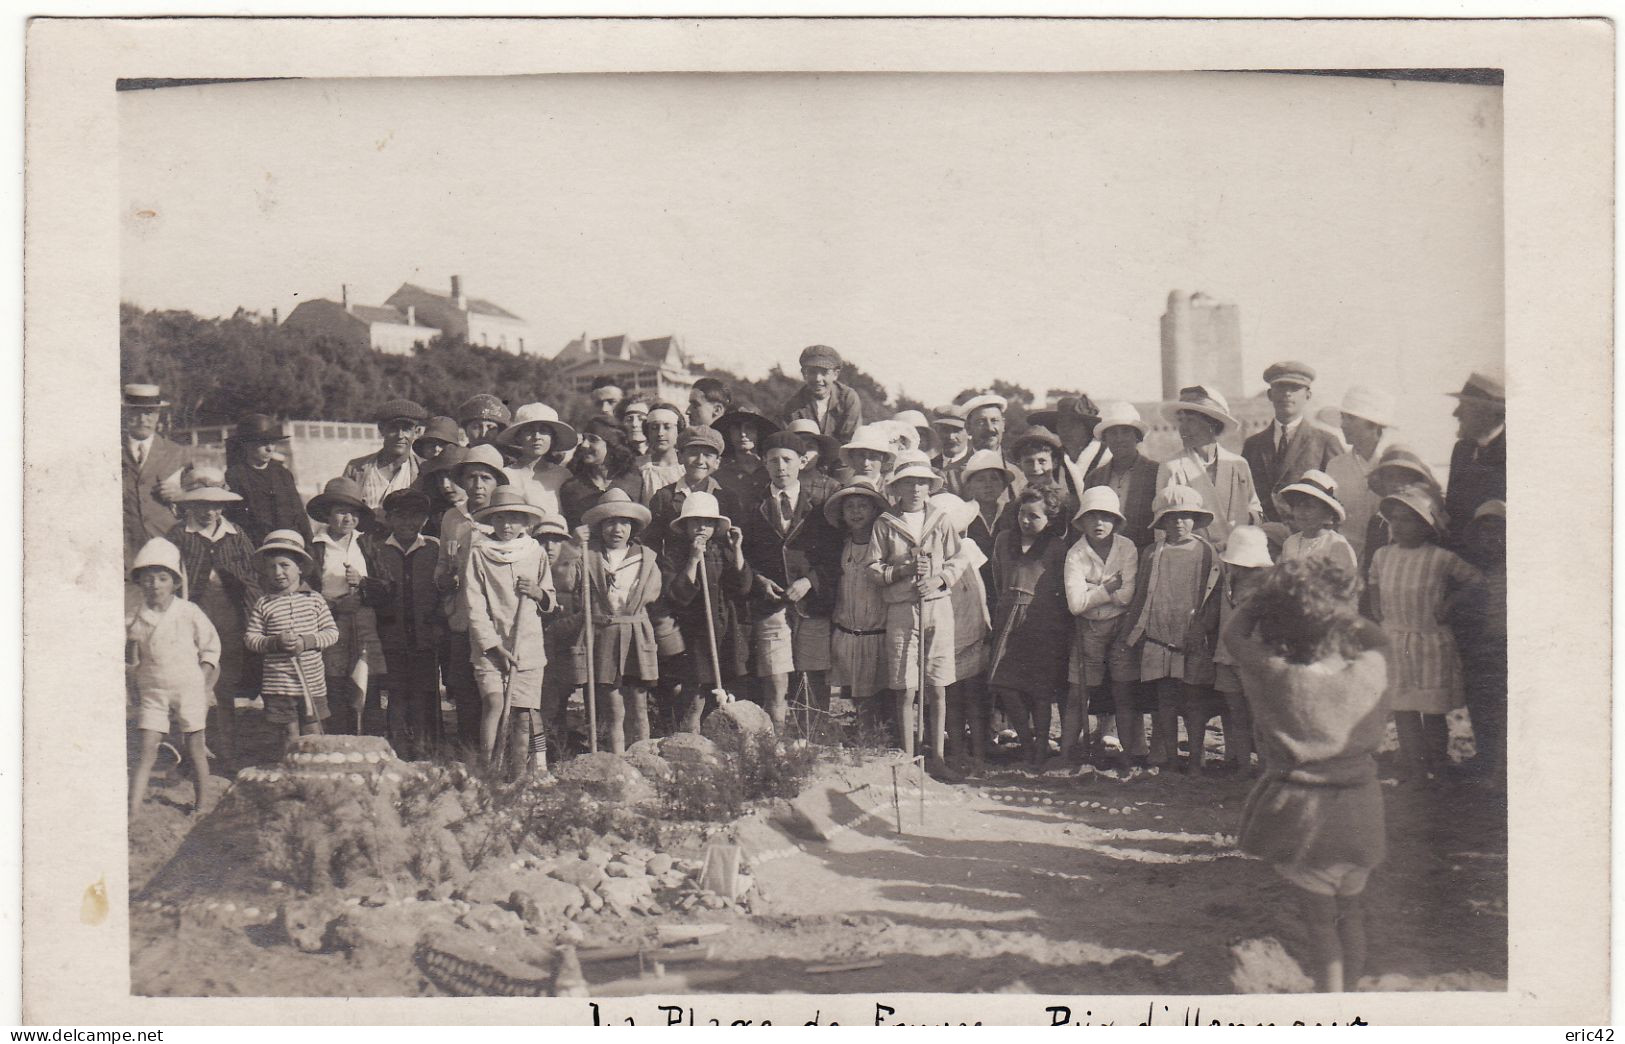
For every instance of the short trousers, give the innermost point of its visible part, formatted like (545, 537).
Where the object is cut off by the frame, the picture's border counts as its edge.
(1341, 879)
(787, 641)
(1226, 679)
(284, 710)
(903, 643)
(1097, 649)
(190, 711)
(524, 687)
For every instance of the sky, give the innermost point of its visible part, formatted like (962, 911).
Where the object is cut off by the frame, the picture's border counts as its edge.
(939, 230)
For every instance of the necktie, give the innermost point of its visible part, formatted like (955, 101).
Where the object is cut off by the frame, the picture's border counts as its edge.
(1280, 440)
(784, 511)
(138, 450)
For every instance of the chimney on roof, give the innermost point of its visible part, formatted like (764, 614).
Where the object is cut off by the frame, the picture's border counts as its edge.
(275, 317)
(457, 294)
(344, 295)
(411, 315)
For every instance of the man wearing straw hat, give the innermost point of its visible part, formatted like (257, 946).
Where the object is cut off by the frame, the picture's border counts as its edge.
(1282, 452)
(1478, 464)
(1223, 479)
(1365, 418)
(152, 465)
(984, 421)
(393, 466)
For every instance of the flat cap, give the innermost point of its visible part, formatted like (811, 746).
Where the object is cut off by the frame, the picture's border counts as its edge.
(1290, 373)
(821, 355)
(700, 435)
(401, 409)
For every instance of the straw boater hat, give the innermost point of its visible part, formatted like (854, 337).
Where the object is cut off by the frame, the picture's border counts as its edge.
(988, 460)
(1317, 484)
(700, 504)
(1247, 547)
(506, 500)
(339, 492)
(1486, 388)
(538, 415)
(1103, 499)
(1368, 404)
(1080, 406)
(144, 396)
(1424, 503)
(284, 542)
(1180, 499)
(202, 484)
(829, 447)
(858, 487)
(616, 504)
(158, 553)
(1205, 401)
(481, 456)
(914, 465)
(552, 524)
(870, 437)
(257, 427)
(740, 416)
(439, 429)
(1119, 414)
(976, 402)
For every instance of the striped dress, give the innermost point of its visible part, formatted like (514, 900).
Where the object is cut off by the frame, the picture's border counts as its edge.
(291, 612)
(1411, 584)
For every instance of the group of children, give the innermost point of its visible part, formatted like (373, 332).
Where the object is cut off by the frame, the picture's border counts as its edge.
(781, 564)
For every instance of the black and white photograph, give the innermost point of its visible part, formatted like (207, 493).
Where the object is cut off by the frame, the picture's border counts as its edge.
(829, 532)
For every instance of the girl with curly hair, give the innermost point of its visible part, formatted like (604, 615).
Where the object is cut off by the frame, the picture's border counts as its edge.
(1316, 674)
(602, 459)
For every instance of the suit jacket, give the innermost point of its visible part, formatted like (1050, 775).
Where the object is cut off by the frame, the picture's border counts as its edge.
(1476, 475)
(1307, 448)
(1229, 495)
(842, 418)
(810, 538)
(146, 513)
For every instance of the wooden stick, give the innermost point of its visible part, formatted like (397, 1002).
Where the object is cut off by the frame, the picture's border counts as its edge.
(896, 799)
(711, 633)
(586, 623)
(829, 969)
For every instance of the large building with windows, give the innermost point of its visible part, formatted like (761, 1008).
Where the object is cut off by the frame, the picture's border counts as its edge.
(411, 318)
(657, 366)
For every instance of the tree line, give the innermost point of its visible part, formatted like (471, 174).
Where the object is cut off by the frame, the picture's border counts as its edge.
(214, 370)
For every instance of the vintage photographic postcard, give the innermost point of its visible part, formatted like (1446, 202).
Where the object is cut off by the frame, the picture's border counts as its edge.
(903, 521)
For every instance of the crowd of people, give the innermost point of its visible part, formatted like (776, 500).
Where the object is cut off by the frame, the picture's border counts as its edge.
(961, 587)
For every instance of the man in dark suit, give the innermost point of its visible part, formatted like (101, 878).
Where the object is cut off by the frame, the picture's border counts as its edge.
(1280, 454)
(1478, 464)
(152, 467)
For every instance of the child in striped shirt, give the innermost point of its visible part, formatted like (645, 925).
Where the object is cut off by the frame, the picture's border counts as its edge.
(290, 626)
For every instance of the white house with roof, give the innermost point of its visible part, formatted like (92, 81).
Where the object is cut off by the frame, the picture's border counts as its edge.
(476, 320)
(658, 365)
(380, 328)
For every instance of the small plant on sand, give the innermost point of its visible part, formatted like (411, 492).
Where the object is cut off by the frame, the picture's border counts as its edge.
(768, 771)
(700, 792)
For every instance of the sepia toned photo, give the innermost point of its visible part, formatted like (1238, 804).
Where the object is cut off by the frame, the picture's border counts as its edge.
(598, 535)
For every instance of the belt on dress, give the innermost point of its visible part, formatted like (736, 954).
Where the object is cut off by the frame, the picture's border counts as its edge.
(858, 634)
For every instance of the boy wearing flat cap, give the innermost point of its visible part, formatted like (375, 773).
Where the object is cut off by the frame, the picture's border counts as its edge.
(410, 627)
(1291, 445)
(700, 450)
(394, 466)
(822, 397)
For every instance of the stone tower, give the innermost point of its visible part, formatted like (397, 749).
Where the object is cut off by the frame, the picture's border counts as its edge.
(1201, 344)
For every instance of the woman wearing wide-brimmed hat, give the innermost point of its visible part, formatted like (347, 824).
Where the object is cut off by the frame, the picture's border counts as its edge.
(223, 580)
(623, 580)
(270, 496)
(1224, 479)
(743, 431)
(531, 441)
